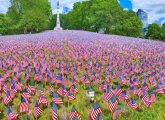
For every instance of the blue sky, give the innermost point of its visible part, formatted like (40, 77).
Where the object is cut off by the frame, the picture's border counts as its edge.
(154, 8)
(126, 4)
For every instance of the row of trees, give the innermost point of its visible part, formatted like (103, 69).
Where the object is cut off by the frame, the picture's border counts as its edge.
(107, 15)
(156, 32)
(25, 16)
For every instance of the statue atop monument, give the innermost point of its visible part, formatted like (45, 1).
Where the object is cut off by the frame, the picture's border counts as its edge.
(58, 27)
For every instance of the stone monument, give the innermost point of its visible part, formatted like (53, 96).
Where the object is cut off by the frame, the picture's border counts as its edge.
(58, 27)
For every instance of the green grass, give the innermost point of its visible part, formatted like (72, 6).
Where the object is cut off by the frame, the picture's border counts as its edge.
(84, 105)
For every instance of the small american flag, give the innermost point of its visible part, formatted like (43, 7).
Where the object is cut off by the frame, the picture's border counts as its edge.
(123, 96)
(108, 94)
(132, 104)
(71, 97)
(103, 86)
(42, 100)
(31, 89)
(51, 89)
(159, 90)
(146, 100)
(7, 98)
(118, 90)
(24, 105)
(152, 96)
(13, 90)
(145, 86)
(162, 84)
(41, 91)
(37, 110)
(74, 114)
(74, 89)
(95, 111)
(140, 92)
(11, 115)
(57, 99)
(54, 111)
(62, 91)
(19, 85)
(113, 103)
(4, 87)
(132, 90)
(26, 94)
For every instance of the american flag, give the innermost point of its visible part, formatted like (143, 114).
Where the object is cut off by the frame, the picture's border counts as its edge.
(51, 88)
(132, 104)
(37, 110)
(62, 91)
(71, 97)
(74, 114)
(140, 92)
(4, 87)
(42, 100)
(122, 79)
(159, 90)
(123, 96)
(31, 89)
(87, 82)
(162, 83)
(11, 115)
(54, 111)
(118, 90)
(74, 89)
(108, 94)
(116, 113)
(7, 98)
(103, 86)
(146, 100)
(113, 103)
(95, 111)
(26, 94)
(24, 105)
(57, 99)
(13, 90)
(41, 91)
(132, 90)
(19, 85)
(145, 86)
(73, 81)
(152, 96)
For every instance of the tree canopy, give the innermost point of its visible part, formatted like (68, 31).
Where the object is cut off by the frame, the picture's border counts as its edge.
(156, 32)
(94, 15)
(28, 16)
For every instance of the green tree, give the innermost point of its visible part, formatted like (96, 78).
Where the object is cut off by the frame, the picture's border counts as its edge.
(154, 31)
(163, 32)
(163, 27)
(29, 16)
(94, 15)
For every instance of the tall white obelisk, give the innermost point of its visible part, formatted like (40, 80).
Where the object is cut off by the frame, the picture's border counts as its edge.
(58, 27)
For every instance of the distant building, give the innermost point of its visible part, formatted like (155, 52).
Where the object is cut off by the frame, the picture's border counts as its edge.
(66, 10)
(143, 16)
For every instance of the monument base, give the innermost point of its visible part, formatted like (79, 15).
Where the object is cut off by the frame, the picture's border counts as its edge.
(58, 28)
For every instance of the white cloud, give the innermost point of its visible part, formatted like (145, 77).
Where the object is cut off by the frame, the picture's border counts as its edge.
(154, 8)
(66, 3)
(4, 4)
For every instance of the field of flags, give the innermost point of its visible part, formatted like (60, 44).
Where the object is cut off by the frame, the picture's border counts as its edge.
(48, 76)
